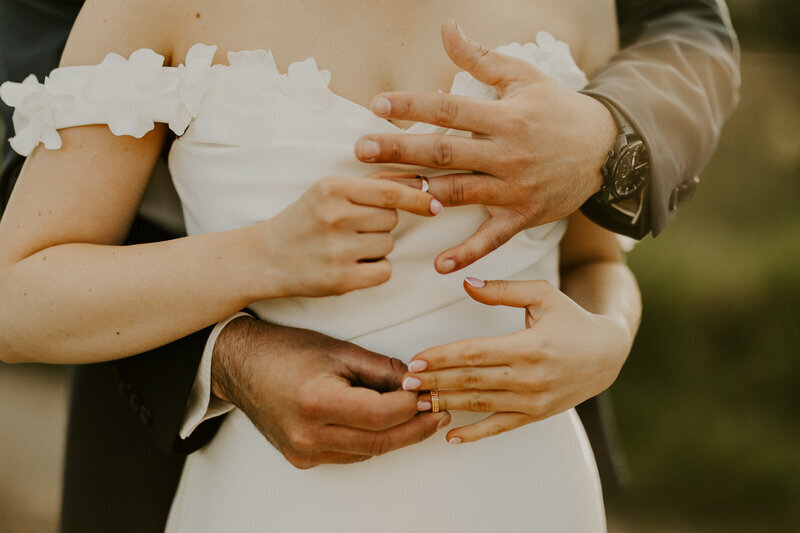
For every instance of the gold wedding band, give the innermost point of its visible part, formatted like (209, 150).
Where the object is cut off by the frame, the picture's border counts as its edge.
(426, 185)
(434, 401)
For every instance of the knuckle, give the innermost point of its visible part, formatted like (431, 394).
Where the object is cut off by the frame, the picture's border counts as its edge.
(339, 281)
(375, 418)
(328, 186)
(541, 407)
(390, 196)
(302, 441)
(403, 105)
(456, 191)
(495, 428)
(446, 112)
(473, 356)
(469, 379)
(515, 121)
(329, 216)
(442, 151)
(477, 402)
(502, 286)
(380, 444)
(309, 405)
(396, 151)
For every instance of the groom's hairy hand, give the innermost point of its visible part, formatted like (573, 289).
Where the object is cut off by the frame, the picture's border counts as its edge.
(315, 398)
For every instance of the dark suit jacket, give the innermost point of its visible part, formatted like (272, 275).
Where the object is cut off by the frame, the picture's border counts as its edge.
(676, 79)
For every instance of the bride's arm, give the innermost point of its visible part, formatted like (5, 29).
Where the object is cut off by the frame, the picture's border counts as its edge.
(71, 294)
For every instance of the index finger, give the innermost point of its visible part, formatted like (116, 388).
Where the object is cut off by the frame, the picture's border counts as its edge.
(447, 110)
(484, 351)
(359, 441)
(392, 195)
(363, 408)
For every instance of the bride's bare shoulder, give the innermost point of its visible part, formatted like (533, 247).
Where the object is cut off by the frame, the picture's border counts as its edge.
(122, 26)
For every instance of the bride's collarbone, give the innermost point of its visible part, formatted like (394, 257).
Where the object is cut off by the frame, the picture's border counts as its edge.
(386, 46)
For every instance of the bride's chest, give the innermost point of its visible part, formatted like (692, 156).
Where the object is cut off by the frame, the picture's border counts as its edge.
(378, 45)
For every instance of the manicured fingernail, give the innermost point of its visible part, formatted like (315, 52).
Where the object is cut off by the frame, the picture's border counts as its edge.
(368, 149)
(411, 383)
(455, 440)
(447, 266)
(381, 106)
(417, 365)
(444, 421)
(423, 405)
(436, 207)
(475, 282)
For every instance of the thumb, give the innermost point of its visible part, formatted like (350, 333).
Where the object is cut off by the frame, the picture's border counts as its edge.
(489, 66)
(375, 371)
(510, 293)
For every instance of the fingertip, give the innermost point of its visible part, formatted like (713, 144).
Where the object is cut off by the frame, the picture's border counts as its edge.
(436, 207)
(381, 105)
(445, 266)
(453, 437)
(366, 149)
(475, 283)
(417, 365)
(449, 26)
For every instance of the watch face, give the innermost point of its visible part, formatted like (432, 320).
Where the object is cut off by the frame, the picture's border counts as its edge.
(631, 170)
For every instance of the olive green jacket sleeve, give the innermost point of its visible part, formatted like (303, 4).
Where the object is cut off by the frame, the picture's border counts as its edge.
(676, 79)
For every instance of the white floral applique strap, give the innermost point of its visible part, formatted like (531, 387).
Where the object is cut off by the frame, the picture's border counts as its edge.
(129, 95)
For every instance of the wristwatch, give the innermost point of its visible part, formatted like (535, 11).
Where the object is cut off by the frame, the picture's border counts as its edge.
(627, 167)
(621, 204)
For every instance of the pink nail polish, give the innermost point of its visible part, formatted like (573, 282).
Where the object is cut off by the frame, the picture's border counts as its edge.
(411, 383)
(424, 406)
(475, 282)
(447, 266)
(417, 365)
(381, 105)
(455, 440)
(436, 207)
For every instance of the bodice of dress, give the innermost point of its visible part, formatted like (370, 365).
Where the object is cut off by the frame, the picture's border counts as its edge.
(252, 140)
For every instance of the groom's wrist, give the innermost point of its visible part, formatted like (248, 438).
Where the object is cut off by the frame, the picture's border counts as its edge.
(234, 346)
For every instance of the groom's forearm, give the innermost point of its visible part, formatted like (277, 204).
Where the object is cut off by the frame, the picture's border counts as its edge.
(676, 79)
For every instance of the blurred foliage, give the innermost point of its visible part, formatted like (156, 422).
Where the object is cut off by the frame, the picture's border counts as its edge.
(767, 25)
(708, 404)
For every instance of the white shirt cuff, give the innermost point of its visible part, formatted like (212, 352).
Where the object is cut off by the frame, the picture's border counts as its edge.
(202, 405)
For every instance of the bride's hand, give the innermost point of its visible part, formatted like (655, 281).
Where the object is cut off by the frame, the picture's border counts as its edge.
(564, 356)
(335, 238)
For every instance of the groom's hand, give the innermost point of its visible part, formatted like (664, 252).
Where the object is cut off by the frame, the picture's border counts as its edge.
(536, 152)
(317, 399)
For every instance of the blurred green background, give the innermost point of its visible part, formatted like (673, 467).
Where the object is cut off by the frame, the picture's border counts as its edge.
(708, 405)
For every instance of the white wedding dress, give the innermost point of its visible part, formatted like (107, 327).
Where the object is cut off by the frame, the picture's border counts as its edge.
(251, 141)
